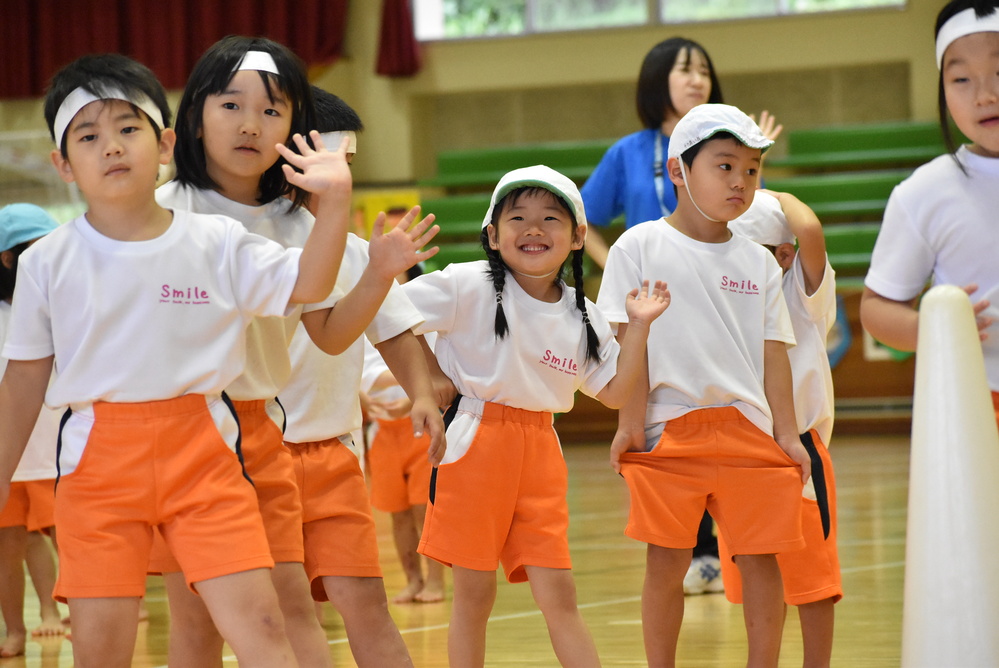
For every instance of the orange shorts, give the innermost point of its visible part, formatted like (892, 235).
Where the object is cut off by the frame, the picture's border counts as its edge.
(995, 405)
(160, 463)
(715, 458)
(31, 504)
(812, 574)
(400, 469)
(504, 498)
(339, 531)
(268, 464)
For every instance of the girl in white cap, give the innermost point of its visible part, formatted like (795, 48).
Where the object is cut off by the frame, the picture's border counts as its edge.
(514, 344)
(941, 222)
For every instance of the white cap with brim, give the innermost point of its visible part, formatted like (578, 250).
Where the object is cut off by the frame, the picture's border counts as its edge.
(962, 24)
(538, 176)
(764, 222)
(706, 120)
(22, 222)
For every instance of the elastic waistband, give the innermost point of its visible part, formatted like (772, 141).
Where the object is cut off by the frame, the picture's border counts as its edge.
(187, 404)
(706, 415)
(490, 411)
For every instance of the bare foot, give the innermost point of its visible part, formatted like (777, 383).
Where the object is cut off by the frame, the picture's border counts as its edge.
(430, 594)
(50, 626)
(13, 645)
(409, 594)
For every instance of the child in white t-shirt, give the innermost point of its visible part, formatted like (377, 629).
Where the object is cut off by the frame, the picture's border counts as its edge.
(143, 312)
(811, 576)
(29, 510)
(715, 428)
(515, 343)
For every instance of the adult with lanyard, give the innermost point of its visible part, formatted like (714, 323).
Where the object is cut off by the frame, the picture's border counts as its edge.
(676, 76)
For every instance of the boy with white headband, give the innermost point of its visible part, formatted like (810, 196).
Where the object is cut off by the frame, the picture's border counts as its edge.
(143, 310)
(940, 223)
(716, 427)
(811, 576)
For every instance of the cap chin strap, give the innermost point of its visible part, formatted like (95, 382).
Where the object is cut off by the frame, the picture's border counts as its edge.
(686, 184)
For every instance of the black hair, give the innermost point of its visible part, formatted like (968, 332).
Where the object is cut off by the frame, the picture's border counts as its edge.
(211, 76)
(99, 73)
(415, 271)
(982, 9)
(333, 114)
(8, 276)
(652, 98)
(498, 268)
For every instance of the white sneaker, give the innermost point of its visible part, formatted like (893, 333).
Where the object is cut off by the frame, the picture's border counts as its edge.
(703, 576)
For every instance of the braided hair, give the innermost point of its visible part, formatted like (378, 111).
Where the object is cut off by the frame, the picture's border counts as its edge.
(498, 268)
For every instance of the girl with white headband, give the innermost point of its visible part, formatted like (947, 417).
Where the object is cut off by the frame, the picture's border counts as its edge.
(499, 494)
(940, 223)
(244, 100)
(143, 312)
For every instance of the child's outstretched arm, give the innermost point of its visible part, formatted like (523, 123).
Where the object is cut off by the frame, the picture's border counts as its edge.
(390, 254)
(327, 174)
(896, 323)
(642, 307)
(630, 434)
(778, 388)
(807, 228)
(22, 392)
(405, 359)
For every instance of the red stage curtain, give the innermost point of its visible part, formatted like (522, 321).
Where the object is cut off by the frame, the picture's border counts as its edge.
(398, 50)
(40, 36)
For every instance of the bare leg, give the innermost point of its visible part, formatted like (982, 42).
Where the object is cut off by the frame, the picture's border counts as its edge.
(374, 638)
(817, 632)
(42, 568)
(194, 640)
(304, 631)
(245, 608)
(104, 631)
(555, 593)
(662, 603)
(474, 595)
(433, 587)
(13, 541)
(407, 539)
(763, 607)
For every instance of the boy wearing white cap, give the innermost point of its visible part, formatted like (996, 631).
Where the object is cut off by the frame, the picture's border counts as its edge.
(143, 310)
(716, 429)
(811, 576)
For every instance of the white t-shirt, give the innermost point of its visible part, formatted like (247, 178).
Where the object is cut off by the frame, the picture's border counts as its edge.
(537, 366)
(148, 320)
(267, 364)
(321, 396)
(707, 348)
(941, 223)
(812, 317)
(39, 459)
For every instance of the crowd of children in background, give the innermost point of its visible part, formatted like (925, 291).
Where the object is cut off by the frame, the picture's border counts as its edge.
(190, 366)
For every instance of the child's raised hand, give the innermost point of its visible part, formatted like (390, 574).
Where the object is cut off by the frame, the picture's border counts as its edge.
(397, 250)
(643, 306)
(319, 170)
(768, 125)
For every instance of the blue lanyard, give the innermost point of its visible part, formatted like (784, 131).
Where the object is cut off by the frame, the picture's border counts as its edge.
(659, 176)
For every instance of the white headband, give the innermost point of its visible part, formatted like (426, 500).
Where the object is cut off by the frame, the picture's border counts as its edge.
(960, 25)
(80, 98)
(258, 60)
(332, 140)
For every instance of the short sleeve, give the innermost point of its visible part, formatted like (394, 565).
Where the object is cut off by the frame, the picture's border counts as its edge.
(435, 296)
(820, 305)
(597, 374)
(902, 261)
(264, 273)
(29, 335)
(621, 275)
(603, 192)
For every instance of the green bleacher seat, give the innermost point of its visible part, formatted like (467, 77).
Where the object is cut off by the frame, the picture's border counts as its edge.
(849, 246)
(868, 145)
(844, 195)
(484, 167)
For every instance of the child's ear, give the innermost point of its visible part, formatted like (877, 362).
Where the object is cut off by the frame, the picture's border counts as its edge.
(674, 172)
(579, 237)
(785, 255)
(7, 259)
(168, 139)
(491, 233)
(62, 166)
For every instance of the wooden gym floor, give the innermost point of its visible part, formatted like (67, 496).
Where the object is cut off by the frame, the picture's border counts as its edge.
(871, 472)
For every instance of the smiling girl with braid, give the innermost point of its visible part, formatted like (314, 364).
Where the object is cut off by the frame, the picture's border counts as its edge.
(514, 344)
